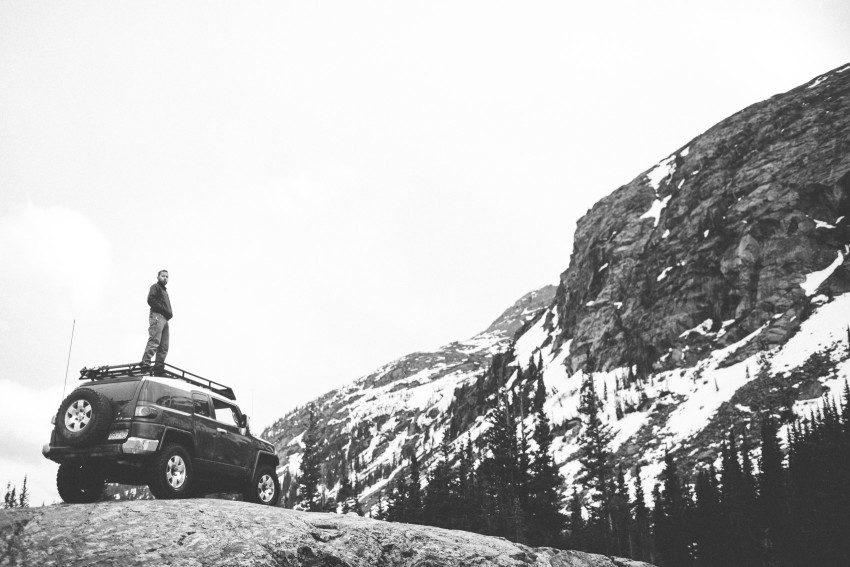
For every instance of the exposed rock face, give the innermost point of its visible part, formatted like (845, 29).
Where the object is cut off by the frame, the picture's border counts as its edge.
(723, 230)
(223, 533)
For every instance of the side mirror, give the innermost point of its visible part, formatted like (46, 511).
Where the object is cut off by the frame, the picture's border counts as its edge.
(243, 424)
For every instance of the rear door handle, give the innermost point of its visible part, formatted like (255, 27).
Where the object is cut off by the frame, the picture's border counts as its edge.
(220, 430)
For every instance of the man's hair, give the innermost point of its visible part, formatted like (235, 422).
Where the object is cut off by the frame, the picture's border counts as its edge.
(159, 273)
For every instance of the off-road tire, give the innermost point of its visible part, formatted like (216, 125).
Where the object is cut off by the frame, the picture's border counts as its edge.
(171, 473)
(83, 418)
(79, 484)
(264, 487)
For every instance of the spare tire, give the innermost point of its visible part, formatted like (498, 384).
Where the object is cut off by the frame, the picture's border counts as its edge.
(83, 417)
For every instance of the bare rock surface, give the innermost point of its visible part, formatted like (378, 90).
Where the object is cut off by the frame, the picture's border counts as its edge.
(207, 532)
(716, 241)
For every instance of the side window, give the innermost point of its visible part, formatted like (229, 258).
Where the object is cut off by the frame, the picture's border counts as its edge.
(202, 405)
(226, 413)
(166, 396)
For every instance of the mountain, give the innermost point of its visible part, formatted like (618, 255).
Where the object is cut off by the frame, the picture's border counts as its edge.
(224, 533)
(709, 290)
(406, 404)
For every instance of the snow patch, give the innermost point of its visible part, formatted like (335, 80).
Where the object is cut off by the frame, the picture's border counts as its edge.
(654, 211)
(702, 329)
(664, 273)
(815, 279)
(530, 342)
(660, 172)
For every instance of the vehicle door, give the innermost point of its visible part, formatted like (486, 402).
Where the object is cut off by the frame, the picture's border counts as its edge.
(232, 449)
(205, 435)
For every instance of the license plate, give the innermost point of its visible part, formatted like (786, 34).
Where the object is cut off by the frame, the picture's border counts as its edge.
(121, 434)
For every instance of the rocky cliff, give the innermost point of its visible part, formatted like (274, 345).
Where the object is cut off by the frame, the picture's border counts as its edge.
(222, 533)
(725, 232)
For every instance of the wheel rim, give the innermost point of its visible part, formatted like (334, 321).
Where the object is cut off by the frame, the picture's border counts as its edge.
(175, 472)
(265, 488)
(78, 415)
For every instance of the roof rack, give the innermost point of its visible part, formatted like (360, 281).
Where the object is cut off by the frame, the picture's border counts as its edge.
(136, 369)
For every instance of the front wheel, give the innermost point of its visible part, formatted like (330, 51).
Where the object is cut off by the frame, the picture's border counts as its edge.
(79, 484)
(264, 488)
(171, 473)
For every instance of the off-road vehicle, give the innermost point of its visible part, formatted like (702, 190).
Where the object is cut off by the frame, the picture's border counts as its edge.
(180, 434)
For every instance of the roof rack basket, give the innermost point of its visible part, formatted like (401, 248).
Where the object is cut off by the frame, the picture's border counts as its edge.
(136, 369)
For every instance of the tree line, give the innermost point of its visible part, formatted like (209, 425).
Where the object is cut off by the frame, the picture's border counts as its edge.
(765, 505)
(15, 499)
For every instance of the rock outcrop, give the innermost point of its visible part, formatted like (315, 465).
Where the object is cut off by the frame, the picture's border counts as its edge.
(721, 233)
(211, 533)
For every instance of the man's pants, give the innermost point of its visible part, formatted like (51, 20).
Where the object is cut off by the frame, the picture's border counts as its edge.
(158, 341)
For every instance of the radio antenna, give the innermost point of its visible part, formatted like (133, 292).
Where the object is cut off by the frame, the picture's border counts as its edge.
(73, 326)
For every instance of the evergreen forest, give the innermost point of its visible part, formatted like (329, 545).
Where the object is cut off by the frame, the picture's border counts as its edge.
(771, 502)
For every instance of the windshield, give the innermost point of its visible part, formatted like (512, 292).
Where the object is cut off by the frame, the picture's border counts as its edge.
(119, 393)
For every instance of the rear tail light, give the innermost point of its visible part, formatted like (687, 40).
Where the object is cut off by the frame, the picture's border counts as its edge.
(145, 411)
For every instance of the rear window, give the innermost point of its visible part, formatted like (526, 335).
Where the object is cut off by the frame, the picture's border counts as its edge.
(166, 396)
(119, 393)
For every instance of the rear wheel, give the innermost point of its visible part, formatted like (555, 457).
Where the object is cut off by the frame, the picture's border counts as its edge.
(264, 487)
(83, 417)
(79, 484)
(171, 474)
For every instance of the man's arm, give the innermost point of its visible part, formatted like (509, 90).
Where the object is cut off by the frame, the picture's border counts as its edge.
(152, 296)
(155, 301)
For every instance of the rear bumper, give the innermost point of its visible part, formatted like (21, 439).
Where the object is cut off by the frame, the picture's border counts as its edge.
(133, 446)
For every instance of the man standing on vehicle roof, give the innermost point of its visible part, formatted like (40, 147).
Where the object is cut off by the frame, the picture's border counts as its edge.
(158, 324)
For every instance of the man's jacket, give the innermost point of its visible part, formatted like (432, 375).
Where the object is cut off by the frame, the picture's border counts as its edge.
(158, 300)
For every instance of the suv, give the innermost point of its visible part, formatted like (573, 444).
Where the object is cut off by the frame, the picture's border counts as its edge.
(180, 434)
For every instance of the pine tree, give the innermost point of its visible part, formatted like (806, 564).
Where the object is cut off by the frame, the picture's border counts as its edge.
(24, 496)
(311, 473)
(642, 524)
(597, 460)
(708, 520)
(772, 499)
(414, 496)
(346, 490)
(397, 506)
(621, 513)
(468, 517)
(546, 522)
(671, 533)
(741, 546)
(9, 499)
(437, 503)
(500, 475)
(576, 525)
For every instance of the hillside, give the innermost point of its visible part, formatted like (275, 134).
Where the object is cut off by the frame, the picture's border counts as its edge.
(223, 533)
(405, 404)
(709, 290)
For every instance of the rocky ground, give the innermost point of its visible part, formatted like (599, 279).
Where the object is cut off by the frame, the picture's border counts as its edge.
(218, 532)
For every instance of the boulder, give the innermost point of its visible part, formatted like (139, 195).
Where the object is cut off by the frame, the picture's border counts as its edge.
(190, 533)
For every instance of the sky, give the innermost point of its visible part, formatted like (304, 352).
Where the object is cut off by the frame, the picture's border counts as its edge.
(331, 185)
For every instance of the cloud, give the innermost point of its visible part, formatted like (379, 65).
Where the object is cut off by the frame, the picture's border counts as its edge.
(53, 247)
